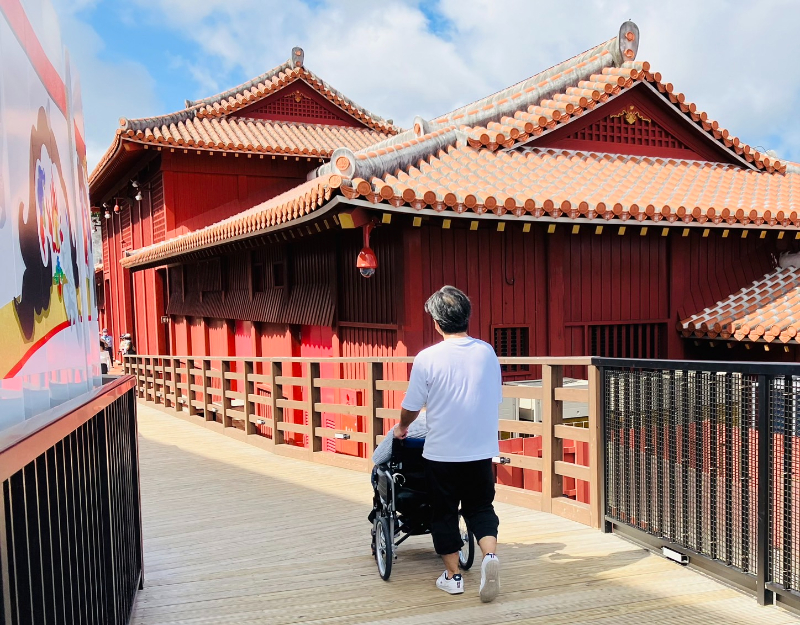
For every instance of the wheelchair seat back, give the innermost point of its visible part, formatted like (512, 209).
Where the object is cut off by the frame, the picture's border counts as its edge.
(408, 462)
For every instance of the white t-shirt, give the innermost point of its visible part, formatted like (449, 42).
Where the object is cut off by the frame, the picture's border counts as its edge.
(460, 384)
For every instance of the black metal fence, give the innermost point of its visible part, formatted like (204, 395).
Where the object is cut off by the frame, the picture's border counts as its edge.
(704, 459)
(70, 523)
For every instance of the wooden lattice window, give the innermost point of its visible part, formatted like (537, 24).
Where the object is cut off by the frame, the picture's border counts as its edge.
(629, 128)
(296, 104)
(512, 342)
(628, 340)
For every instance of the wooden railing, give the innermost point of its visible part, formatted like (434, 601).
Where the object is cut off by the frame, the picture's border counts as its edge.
(336, 410)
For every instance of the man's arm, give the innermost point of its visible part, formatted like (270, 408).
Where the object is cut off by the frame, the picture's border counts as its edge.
(407, 417)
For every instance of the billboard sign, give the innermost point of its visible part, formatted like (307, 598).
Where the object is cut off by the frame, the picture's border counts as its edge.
(49, 345)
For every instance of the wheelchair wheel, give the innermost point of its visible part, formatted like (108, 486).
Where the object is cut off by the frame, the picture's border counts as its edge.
(467, 554)
(384, 543)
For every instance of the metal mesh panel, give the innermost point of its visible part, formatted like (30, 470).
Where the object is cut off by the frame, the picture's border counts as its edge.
(784, 487)
(681, 458)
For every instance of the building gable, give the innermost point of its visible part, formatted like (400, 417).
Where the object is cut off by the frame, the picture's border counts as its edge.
(298, 102)
(637, 122)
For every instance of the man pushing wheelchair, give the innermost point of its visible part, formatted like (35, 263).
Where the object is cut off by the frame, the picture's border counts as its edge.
(449, 490)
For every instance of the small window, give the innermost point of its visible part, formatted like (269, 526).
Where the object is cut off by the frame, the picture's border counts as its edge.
(258, 278)
(278, 275)
(512, 342)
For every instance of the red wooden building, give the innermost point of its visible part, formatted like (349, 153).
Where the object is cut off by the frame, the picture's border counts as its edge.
(167, 176)
(591, 209)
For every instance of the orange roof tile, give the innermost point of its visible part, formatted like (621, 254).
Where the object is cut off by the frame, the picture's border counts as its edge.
(293, 204)
(562, 183)
(602, 88)
(204, 123)
(444, 165)
(768, 310)
(257, 136)
(540, 183)
(261, 86)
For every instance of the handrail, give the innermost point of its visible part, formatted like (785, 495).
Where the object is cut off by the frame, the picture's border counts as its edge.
(70, 513)
(26, 441)
(580, 361)
(304, 407)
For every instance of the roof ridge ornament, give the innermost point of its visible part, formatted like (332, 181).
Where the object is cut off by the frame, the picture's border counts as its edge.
(298, 57)
(421, 127)
(627, 43)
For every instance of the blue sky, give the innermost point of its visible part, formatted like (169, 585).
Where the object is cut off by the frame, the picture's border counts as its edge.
(736, 60)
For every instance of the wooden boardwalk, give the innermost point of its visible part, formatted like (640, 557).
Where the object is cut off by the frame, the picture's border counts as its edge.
(234, 534)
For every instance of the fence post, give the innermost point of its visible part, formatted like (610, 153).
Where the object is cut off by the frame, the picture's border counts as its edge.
(224, 369)
(176, 391)
(5, 578)
(276, 393)
(150, 380)
(314, 416)
(374, 400)
(159, 378)
(247, 390)
(552, 447)
(189, 384)
(596, 445)
(204, 396)
(763, 595)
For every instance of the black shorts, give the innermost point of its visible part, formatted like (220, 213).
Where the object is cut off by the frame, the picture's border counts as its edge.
(468, 484)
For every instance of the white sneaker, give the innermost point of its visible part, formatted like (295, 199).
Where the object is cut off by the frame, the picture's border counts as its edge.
(454, 585)
(490, 578)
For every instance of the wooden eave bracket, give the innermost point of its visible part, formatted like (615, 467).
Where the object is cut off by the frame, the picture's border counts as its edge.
(354, 218)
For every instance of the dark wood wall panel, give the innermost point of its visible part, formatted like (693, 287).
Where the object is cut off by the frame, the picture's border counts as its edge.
(503, 273)
(613, 277)
(368, 300)
(567, 288)
(305, 299)
(716, 266)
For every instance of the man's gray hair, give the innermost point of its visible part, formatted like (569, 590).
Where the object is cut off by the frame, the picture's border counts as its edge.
(450, 308)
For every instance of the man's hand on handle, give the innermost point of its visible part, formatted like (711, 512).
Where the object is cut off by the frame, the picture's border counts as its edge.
(406, 418)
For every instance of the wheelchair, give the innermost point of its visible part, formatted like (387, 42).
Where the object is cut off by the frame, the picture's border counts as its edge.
(401, 507)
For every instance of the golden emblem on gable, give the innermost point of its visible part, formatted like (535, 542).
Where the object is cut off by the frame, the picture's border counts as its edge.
(298, 97)
(631, 114)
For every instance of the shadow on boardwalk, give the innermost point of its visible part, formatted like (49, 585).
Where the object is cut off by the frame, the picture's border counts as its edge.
(234, 534)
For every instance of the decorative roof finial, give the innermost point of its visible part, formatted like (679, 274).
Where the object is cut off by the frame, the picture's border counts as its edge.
(628, 42)
(297, 56)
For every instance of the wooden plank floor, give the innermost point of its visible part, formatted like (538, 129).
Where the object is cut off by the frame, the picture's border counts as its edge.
(235, 534)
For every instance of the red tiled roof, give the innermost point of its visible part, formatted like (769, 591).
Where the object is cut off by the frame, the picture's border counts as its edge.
(561, 183)
(219, 106)
(538, 183)
(599, 89)
(768, 310)
(203, 123)
(257, 136)
(445, 165)
(293, 204)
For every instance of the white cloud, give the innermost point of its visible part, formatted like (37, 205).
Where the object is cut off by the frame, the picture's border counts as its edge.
(736, 60)
(110, 89)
